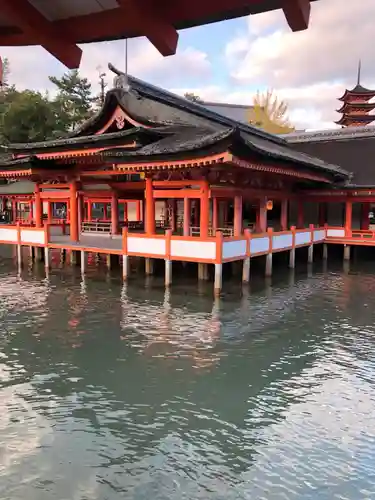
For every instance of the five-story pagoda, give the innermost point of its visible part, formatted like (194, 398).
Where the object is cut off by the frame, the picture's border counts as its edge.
(356, 106)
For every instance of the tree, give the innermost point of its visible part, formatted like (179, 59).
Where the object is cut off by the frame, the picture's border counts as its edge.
(73, 102)
(25, 116)
(4, 72)
(190, 96)
(270, 114)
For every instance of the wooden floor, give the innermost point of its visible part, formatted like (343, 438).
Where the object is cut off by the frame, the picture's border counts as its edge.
(106, 243)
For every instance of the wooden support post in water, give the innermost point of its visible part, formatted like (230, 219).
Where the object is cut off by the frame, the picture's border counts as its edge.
(246, 262)
(269, 255)
(246, 270)
(325, 251)
(292, 253)
(149, 266)
(310, 252)
(168, 262)
(346, 252)
(125, 267)
(46, 257)
(19, 256)
(218, 284)
(203, 271)
(31, 253)
(268, 265)
(83, 262)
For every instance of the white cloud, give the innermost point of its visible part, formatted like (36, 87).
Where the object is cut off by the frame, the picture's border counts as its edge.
(31, 66)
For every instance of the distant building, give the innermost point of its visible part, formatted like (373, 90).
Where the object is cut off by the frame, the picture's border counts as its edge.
(239, 112)
(356, 107)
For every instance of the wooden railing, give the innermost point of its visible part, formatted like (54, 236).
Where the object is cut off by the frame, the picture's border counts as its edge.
(96, 227)
(362, 234)
(226, 231)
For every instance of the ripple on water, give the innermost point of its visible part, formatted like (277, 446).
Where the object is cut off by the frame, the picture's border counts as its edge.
(110, 392)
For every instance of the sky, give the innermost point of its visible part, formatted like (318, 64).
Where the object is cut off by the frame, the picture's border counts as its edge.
(229, 61)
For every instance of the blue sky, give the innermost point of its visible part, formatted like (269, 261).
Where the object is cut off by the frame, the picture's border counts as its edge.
(230, 60)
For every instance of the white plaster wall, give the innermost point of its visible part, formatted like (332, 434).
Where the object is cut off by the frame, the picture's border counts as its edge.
(319, 235)
(335, 233)
(303, 238)
(28, 236)
(234, 249)
(144, 246)
(259, 245)
(205, 250)
(7, 234)
(282, 241)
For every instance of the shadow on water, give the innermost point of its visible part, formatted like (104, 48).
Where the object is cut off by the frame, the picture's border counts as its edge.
(128, 391)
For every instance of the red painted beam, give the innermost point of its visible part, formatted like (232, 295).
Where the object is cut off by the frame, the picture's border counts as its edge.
(161, 34)
(297, 13)
(34, 25)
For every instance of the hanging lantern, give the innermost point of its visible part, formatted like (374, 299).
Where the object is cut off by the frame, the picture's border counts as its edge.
(269, 205)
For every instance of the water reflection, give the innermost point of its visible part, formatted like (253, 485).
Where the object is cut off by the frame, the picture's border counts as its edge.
(128, 391)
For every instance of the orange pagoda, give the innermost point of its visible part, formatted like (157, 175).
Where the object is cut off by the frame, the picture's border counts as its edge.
(356, 106)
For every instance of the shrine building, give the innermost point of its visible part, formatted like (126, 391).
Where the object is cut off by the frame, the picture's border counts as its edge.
(156, 176)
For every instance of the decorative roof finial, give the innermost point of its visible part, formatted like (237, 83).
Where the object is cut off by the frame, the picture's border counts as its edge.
(359, 73)
(120, 81)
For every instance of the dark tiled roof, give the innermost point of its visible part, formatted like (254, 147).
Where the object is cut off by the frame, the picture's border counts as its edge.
(183, 126)
(355, 154)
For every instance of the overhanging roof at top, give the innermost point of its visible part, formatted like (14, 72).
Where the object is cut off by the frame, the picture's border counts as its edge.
(58, 25)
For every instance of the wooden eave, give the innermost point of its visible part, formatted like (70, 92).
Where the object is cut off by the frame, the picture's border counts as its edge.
(28, 25)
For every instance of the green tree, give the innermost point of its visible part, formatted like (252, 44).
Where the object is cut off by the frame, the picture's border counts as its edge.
(5, 73)
(190, 96)
(270, 113)
(25, 116)
(73, 103)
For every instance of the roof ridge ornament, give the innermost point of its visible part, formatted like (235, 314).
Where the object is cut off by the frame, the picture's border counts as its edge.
(120, 81)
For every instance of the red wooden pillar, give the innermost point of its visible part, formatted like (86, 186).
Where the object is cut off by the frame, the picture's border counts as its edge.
(205, 211)
(284, 215)
(125, 211)
(348, 217)
(237, 219)
(89, 211)
(173, 205)
(365, 210)
(187, 215)
(73, 204)
(150, 207)
(114, 213)
(38, 207)
(300, 215)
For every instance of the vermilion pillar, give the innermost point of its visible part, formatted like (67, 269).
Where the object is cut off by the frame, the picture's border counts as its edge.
(73, 204)
(125, 211)
(284, 215)
(204, 212)
(237, 222)
(89, 211)
(300, 215)
(38, 207)
(138, 210)
(187, 214)
(348, 217)
(262, 216)
(114, 213)
(150, 207)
